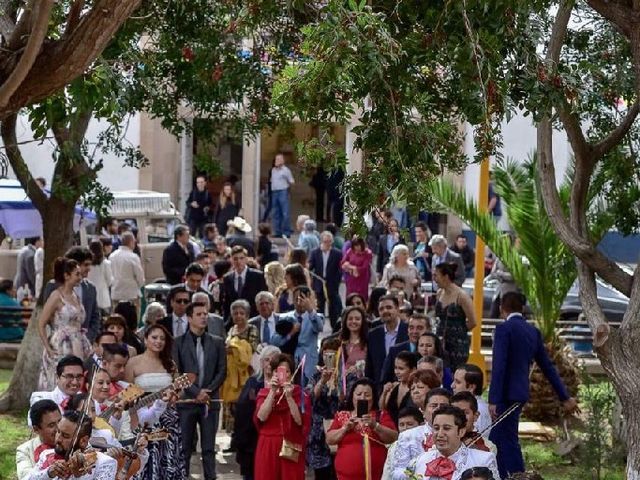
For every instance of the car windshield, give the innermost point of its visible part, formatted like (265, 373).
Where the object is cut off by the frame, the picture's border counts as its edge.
(160, 230)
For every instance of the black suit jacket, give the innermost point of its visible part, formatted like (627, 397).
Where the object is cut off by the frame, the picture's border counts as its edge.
(243, 241)
(215, 362)
(167, 322)
(175, 261)
(334, 272)
(92, 320)
(253, 284)
(376, 353)
(388, 374)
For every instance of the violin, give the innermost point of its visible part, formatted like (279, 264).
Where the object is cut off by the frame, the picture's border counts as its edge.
(78, 463)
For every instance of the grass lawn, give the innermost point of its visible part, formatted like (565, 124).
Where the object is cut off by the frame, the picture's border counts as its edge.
(14, 431)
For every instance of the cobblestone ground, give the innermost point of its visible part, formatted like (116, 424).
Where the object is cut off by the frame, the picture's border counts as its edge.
(226, 466)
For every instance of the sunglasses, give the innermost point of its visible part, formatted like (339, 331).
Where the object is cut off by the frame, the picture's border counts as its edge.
(183, 301)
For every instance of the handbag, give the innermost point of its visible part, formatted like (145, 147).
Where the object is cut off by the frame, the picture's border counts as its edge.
(290, 451)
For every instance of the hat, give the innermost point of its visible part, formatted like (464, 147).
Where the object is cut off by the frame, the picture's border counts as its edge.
(239, 223)
(437, 240)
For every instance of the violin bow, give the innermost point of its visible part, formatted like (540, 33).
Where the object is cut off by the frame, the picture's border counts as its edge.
(84, 413)
(502, 416)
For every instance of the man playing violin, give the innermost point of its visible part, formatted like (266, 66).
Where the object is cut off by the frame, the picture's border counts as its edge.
(70, 458)
(44, 416)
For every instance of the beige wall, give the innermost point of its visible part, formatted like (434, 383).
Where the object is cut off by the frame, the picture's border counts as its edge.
(163, 151)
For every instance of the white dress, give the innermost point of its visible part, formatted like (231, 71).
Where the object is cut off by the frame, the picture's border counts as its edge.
(166, 458)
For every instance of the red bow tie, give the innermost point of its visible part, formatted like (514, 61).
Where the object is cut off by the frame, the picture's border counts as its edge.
(50, 460)
(65, 403)
(38, 451)
(428, 442)
(441, 467)
(103, 407)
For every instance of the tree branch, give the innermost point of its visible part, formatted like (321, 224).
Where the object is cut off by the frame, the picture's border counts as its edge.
(19, 166)
(63, 60)
(580, 246)
(74, 16)
(589, 299)
(603, 147)
(34, 44)
(23, 27)
(624, 18)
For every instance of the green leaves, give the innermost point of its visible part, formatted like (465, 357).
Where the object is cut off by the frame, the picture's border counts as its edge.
(549, 270)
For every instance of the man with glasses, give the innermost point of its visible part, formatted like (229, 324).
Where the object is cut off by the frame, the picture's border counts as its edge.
(176, 323)
(242, 282)
(69, 378)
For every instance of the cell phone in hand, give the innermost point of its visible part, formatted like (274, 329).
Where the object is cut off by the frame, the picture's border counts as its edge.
(281, 374)
(362, 408)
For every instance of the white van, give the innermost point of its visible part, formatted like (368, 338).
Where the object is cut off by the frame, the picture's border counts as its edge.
(155, 218)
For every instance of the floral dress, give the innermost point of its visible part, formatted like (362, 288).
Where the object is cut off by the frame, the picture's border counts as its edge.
(67, 338)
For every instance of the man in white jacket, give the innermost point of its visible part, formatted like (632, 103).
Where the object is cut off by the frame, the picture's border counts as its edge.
(450, 457)
(128, 275)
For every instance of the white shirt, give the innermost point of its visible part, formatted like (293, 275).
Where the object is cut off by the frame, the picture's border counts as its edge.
(236, 275)
(128, 275)
(464, 458)
(484, 420)
(325, 260)
(409, 446)
(180, 325)
(102, 278)
(105, 469)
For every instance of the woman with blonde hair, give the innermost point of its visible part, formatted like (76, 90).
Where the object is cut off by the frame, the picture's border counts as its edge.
(274, 276)
(227, 209)
(400, 265)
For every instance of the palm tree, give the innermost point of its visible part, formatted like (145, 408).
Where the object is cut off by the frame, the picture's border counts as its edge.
(542, 266)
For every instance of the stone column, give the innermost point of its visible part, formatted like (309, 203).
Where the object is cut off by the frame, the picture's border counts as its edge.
(251, 181)
(186, 169)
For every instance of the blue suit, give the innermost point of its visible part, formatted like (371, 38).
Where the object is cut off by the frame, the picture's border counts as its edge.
(516, 345)
(376, 351)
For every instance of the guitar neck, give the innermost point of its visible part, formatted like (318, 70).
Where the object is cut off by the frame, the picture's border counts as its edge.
(149, 399)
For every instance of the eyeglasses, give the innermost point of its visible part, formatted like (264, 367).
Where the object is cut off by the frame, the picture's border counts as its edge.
(68, 376)
(183, 301)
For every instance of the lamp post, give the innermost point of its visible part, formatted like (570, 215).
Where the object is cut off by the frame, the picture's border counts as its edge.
(475, 356)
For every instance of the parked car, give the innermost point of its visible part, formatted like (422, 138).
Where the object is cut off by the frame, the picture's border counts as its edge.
(614, 304)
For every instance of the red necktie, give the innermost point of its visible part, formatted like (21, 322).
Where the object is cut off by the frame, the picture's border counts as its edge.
(103, 407)
(65, 403)
(38, 451)
(50, 460)
(441, 467)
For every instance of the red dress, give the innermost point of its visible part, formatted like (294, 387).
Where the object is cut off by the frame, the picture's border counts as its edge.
(280, 424)
(349, 463)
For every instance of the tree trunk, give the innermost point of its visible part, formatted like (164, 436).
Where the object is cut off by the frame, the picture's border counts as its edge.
(58, 235)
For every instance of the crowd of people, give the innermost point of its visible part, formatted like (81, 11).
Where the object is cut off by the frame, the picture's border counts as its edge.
(377, 387)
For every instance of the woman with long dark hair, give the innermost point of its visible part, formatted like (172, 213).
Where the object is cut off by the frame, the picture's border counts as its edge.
(154, 370)
(456, 318)
(356, 432)
(294, 276)
(353, 337)
(227, 208)
(64, 314)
